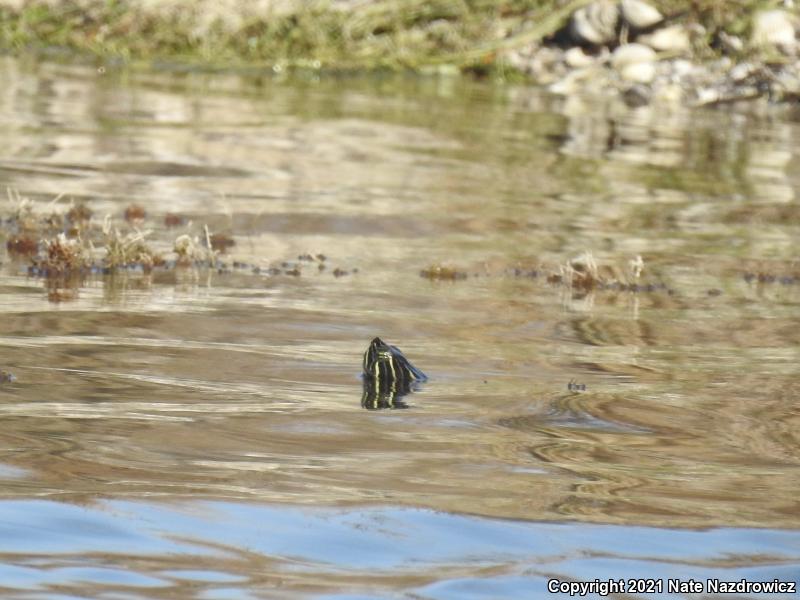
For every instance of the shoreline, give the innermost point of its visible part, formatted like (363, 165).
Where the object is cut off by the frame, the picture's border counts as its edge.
(659, 53)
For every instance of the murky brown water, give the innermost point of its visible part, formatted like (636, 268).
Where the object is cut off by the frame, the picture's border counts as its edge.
(191, 433)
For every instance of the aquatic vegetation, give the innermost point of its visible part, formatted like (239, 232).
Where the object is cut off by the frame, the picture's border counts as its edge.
(762, 277)
(61, 293)
(636, 266)
(440, 273)
(189, 250)
(173, 220)
(24, 219)
(128, 250)
(319, 259)
(339, 272)
(66, 245)
(585, 274)
(221, 241)
(581, 273)
(767, 272)
(201, 251)
(62, 258)
(70, 246)
(134, 212)
(28, 223)
(574, 386)
(79, 214)
(22, 245)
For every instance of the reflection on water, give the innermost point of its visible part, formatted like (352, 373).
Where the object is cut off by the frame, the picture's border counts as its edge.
(205, 419)
(232, 550)
(378, 397)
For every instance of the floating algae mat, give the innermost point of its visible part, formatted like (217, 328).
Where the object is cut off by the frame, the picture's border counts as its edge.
(604, 302)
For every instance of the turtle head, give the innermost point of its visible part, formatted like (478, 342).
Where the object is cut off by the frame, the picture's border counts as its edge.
(377, 356)
(385, 363)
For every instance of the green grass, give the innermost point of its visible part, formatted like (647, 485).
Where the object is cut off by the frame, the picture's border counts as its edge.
(318, 34)
(394, 34)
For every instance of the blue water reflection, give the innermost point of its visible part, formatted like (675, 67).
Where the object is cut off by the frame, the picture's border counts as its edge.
(234, 550)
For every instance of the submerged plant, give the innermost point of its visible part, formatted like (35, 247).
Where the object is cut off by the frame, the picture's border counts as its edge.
(22, 245)
(441, 272)
(134, 212)
(79, 214)
(128, 250)
(62, 258)
(31, 223)
(583, 273)
(221, 241)
(22, 216)
(191, 251)
(173, 220)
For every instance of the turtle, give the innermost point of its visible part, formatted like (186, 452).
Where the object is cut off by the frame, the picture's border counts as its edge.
(388, 376)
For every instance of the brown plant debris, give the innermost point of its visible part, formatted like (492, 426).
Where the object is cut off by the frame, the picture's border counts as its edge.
(57, 293)
(574, 386)
(584, 273)
(581, 273)
(62, 258)
(221, 242)
(442, 273)
(79, 214)
(22, 245)
(135, 212)
(173, 220)
(190, 251)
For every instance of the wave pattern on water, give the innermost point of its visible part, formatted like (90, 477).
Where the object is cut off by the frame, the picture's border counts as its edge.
(232, 395)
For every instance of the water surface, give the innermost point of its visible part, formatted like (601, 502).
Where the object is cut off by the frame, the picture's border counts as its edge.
(196, 433)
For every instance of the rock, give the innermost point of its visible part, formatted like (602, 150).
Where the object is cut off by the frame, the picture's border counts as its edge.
(668, 39)
(595, 24)
(730, 44)
(775, 29)
(787, 86)
(639, 72)
(742, 71)
(577, 58)
(547, 65)
(572, 83)
(591, 79)
(516, 60)
(639, 15)
(635, 62)
(669, 95)
(705, 96)
(637, 95)
(681, 68)
(632, 53)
